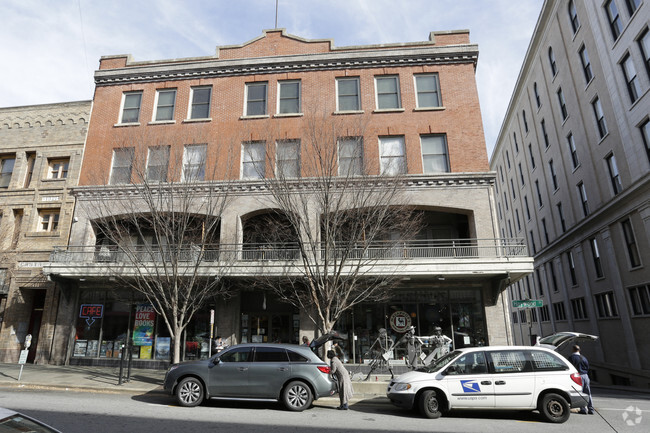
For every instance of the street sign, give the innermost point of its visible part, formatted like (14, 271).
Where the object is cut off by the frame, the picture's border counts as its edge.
(529, 303)
(23, 356)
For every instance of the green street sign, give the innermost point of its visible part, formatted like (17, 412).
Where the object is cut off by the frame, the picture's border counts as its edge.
(530, 303)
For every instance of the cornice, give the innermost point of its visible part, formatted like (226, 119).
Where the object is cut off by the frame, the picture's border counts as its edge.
(294, 63)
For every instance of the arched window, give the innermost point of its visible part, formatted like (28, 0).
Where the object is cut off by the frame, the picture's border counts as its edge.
(573, 16)
(551, 59)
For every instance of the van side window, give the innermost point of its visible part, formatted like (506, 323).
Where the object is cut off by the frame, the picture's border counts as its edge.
(544, 361)
(470, 363)
(509, 361)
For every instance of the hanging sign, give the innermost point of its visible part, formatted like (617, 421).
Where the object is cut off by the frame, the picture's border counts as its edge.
(145, 316)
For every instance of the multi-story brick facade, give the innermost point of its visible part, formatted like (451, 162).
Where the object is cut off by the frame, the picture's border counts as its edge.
(267, 90)
(573, 164)
(41, 150)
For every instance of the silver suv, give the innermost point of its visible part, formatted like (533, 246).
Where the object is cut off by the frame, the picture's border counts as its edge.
(508, 377)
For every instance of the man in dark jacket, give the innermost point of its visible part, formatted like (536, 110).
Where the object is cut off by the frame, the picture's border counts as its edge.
(582, 365)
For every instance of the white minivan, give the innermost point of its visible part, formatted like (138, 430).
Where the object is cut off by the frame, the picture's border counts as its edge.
(494, 377)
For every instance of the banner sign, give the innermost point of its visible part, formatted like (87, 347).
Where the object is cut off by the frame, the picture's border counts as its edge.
(145, 316)
(90, 312)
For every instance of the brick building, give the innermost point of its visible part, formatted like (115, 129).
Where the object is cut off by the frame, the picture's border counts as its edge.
(41, 149)
(419, 108)
(573, 164)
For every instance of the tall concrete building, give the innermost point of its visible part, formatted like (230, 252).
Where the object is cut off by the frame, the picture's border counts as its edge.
(41, 148)
(573, 179)
(418, 105)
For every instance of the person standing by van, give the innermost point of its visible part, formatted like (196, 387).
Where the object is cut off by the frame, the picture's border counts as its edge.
(582, 365)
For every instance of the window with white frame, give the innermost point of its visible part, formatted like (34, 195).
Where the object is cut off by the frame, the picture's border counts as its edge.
(157, 163)
(595, 255)
(427, 87)
(631, 79)
(200, 102)
(572, 268)
(58, 168)
(586, 64)
(131, 107)
(614, 176)
(582, 192)
(600, 117)
(388, 93)
(348, 94)
(256, 98)
(393, 156)
(6, 170)
(632, 5)
(194, 162)
(630, 243)
(350, 156)
(562, 102)
(645, 135)
(287, 159)
(615, 24)
(572, 149)
(122, 165)
(434, 154)
(644, 46)
(551, 60)
(289, 97)
(640, 299)
(165, 103)
(573, 17)
(48, 220)
(253, 160)
(606, 305)
(579, 309)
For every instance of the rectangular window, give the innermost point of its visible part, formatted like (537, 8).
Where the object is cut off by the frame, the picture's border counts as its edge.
(48, 220)
(539, 194)
(518, 220)
(288, 159)
(560, 214)
(508, 160)
(165, 101)
(253, 160)
(630, 243)
(545, 230)
(58, 168)
(574, 152)
(573, 15)
(614, 175)
(544, 314)
(521, 175)
(194, 160)
(31, 161)
(350, 156)
(349, 98)
(200, 108)
(595, 255)
(6, 170)
(632, 5)
(562, 102)
(532, 242)
(539, 281)
(256, 99)
(527, 208)
(131, 107)
(434, 154)
(532, 156)
(614, 18)
(558, 311)
(640, 299)
(428, 90)
(544, 133)
(600, 118)
(551, 268)
(579, 309)
(645, 135)
(582, 192)
(388, 95)
(505, 200)
(606, 305)
(644, 46)
(393, 157)
(157, 163)
(551, 168)
(289, 100)
(572, 268)
(586, 64)
(629, 72)
(512, 187)
(122, 163)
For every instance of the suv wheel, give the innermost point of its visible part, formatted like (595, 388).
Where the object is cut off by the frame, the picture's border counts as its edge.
(554, 408)
(297, 396)
(430, 404)
(189, 392)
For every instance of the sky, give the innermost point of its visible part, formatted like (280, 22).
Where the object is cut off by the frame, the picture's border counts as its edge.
(50, 49)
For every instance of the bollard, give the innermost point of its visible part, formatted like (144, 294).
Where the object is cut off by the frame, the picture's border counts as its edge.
(119, 382)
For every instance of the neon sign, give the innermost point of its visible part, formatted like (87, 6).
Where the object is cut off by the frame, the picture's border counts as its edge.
(90, 312)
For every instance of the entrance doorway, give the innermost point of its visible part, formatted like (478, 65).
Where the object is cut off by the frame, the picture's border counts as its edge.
(266, 320)
(35, 319)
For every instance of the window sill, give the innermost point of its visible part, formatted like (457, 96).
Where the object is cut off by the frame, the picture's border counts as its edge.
(43, 234)
(429, 109)
(54, 179)
(259, 116)
(348, 112)
(603, 138)
(161, 122)
(288, 115)
(120, 125)
(206, 119)
(389, 110)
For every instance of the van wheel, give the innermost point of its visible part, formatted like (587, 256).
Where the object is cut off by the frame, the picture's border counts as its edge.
(554, 408)
(189, 392)
(430, 405)
(297, 396)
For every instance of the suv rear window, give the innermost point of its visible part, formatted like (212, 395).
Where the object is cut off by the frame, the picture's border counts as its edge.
(509, 361)
(544, 361)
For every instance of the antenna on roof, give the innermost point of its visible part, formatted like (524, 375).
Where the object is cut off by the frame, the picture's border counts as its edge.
(276, 14)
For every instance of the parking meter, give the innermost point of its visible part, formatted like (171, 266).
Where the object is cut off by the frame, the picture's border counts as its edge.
(28, 341)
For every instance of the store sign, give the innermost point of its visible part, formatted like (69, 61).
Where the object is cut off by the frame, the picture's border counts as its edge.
(90, 312)
(145, 316)
(400, 321)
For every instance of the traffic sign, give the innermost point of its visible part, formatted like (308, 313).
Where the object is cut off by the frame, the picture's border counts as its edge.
(528, 303)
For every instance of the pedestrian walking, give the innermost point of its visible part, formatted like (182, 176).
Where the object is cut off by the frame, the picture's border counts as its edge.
(582, 365)
(305, 340)
(343, 378)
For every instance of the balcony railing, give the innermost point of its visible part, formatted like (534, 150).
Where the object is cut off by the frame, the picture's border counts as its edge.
(389, 250)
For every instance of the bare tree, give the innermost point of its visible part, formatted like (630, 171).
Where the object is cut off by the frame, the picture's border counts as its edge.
(157, 226)
(347, 218)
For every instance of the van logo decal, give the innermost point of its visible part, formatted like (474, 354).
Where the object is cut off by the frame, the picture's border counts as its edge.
(470, 386)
